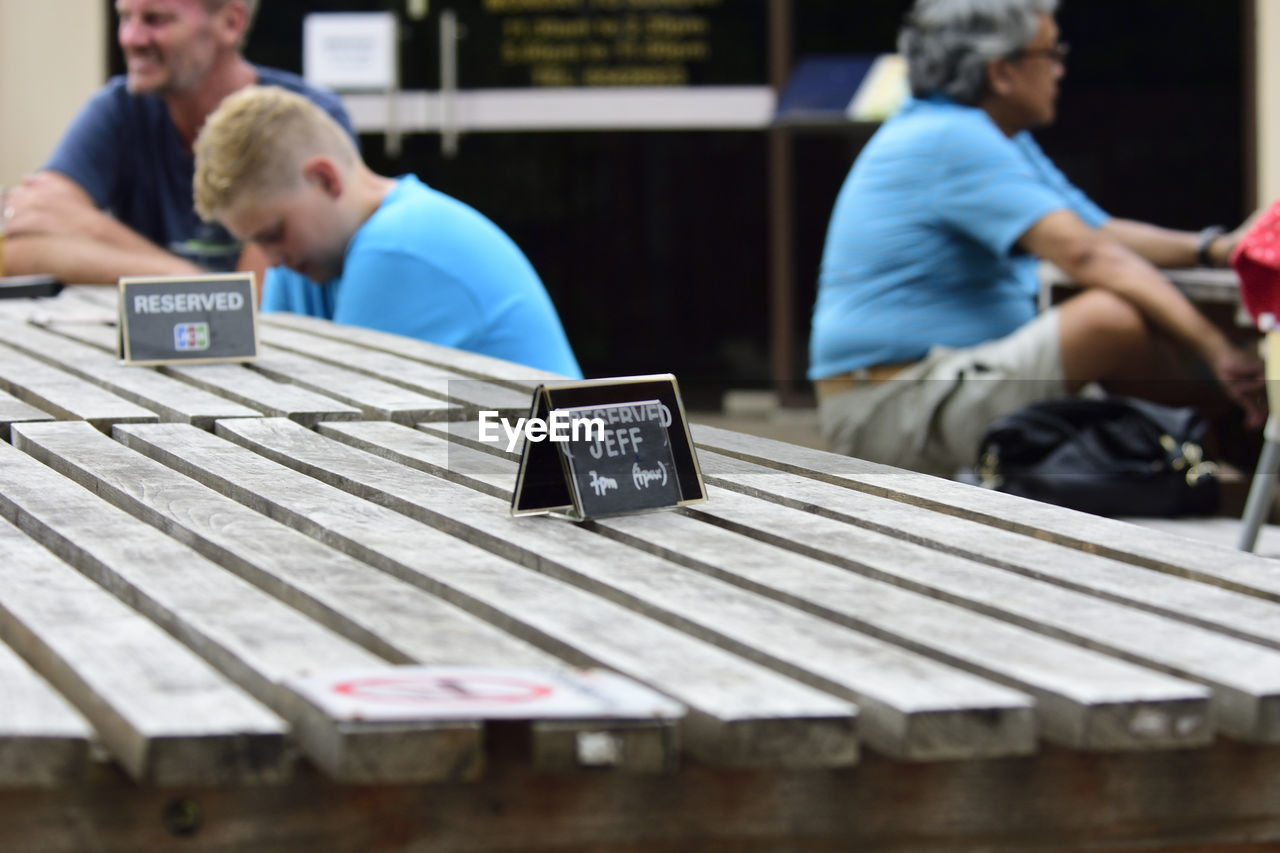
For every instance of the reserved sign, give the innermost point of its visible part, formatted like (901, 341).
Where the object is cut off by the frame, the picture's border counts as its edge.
(624, 464)
(188, 319)
(612, 446)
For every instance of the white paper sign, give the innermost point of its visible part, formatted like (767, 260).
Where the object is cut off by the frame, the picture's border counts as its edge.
(481, 693)
(350, 50)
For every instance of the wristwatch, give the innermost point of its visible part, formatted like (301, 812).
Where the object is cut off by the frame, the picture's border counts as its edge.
(1207, 236)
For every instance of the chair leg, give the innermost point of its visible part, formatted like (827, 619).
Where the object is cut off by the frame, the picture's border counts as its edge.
(1258, 504)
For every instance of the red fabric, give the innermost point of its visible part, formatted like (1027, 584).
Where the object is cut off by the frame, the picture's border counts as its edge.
(1256, 260)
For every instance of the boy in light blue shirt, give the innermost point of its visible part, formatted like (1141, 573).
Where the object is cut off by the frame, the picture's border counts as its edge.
(358, 248)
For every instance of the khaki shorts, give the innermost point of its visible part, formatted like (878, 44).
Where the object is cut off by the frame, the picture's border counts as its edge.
(931, 416)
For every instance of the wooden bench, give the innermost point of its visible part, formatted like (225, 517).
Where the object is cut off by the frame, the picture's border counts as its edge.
(860, 657)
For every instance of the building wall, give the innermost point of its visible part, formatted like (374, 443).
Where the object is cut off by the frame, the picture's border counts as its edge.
(1267, 94)
(52, 57)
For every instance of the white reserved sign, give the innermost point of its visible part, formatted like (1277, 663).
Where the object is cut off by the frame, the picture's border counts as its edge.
(350, 50)
(404, 693)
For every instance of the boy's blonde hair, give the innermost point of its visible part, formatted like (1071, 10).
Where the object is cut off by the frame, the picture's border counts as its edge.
(256, 141)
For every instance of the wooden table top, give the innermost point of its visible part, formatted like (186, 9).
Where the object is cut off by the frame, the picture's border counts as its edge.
(859, 655)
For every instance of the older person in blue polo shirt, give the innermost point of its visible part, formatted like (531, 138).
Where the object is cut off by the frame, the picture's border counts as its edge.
(925, 327)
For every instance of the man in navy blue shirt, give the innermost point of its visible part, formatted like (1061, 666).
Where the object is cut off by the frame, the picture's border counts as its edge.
(115, 197)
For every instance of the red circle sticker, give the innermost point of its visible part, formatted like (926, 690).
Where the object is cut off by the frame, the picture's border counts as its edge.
(443, 689)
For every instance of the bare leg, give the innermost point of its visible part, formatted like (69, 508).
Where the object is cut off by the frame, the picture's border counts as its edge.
(1105, 339)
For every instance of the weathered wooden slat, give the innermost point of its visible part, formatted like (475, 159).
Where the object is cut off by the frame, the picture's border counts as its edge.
(374, 398)
(432, 453)
(1226, 611)
(234, 382)
(102, 336)
(1242, 703)
(1084, 699)
(740, 713)
(43, 740)
(72, 308)
(14, 411)
(1034, 556)
(19, 309)
(253, 639)
(96, 295)
(63, 395)
(1237, 570)
(473, 395)
(392, 619)
(517, 376)
(170, 399)
(911, 706)
(467, 434)
(277, 399)
(1245, 677)
(74, 301)
(164, 714)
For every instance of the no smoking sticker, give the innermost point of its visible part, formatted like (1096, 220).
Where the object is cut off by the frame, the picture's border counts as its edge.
(436, 689)
(478, 693)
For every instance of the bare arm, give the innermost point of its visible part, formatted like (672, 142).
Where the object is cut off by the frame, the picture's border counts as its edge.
(56, 228)
(1166, 247)
(1094, 259)
(80, 261)
(1163, 247)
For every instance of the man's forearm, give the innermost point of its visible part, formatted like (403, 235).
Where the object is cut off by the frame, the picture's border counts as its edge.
(98, 226)
(1111, 268)
(52, 204)
(56, 229)
(1100, 259)
(78, 260)
(1163, 247)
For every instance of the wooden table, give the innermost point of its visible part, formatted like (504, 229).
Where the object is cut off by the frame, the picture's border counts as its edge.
(863, 658)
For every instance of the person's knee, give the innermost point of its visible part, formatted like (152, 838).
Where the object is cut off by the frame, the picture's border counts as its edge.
(1101, 318)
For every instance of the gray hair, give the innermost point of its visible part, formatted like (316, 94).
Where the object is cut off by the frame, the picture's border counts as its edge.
(251, 11)
(948, 43)
(251, 6)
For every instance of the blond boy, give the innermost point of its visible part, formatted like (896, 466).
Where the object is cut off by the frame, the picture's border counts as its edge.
(355, 247)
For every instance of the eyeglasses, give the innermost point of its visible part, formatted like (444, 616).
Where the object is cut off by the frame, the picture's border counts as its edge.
(1058, 53)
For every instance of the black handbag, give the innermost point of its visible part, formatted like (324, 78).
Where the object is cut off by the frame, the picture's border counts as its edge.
(1110, 456)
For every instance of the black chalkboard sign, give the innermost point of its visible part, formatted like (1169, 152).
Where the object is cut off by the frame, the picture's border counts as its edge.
(639, 455)
(625, 464)
(188, 319)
